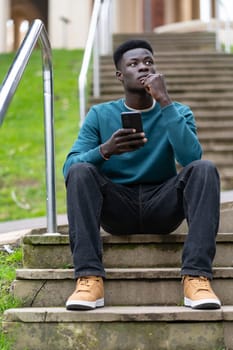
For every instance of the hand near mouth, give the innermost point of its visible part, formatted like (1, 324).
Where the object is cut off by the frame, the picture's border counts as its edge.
(155, 85)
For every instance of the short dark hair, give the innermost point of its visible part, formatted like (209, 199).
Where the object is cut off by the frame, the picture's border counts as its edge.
(130, 45)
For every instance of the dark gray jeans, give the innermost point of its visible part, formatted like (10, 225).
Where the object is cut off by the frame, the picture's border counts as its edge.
(94, 200)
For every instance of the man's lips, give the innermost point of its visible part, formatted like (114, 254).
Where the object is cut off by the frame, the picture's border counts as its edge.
(142, 78)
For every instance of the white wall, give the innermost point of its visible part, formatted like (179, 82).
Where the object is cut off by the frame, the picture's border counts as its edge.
(74, 34)
(4, 16)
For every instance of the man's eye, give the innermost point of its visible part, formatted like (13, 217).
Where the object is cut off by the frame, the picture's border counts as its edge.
(132, 64)
(149, 63)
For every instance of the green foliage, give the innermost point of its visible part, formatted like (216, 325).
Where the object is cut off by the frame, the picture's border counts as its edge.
(8, 265)
(5, 343)
(22, 159)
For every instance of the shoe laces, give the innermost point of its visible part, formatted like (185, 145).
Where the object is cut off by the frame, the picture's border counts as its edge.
(85, 282)
(82, 285)
(200, 282)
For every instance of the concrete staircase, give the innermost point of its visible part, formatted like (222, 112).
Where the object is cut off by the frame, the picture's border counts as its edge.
(143, 296)
(173, 41)
(198, 76)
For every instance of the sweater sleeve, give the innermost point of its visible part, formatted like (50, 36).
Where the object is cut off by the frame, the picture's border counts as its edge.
(86, 148)
(180, 125)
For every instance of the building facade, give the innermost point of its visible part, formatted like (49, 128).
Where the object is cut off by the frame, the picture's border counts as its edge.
(67, 21)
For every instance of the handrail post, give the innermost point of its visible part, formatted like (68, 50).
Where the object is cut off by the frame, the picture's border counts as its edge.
(49, 134)
(49, 151)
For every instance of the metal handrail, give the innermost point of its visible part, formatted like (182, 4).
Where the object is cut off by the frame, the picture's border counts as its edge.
(87, 57)
(227, 23)
(36, 32)
(93, 44)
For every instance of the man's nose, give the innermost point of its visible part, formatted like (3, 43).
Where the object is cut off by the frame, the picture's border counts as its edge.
(143, 66)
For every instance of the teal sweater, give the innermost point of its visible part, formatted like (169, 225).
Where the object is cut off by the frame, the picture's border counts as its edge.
(171, 134)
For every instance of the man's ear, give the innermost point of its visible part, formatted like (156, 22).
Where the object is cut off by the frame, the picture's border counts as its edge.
(119, 75)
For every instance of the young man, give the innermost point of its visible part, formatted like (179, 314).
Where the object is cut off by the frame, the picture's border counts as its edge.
(127, 182)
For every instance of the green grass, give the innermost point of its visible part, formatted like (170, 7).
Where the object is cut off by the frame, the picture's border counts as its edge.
(22, 159)
(8, 265)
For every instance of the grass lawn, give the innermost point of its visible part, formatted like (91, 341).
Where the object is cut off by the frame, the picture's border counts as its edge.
(8, 264)
(22, 159)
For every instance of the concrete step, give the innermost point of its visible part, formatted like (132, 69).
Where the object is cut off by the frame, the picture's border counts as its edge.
(228, 148)
(184, 79)
(224, 135)
(107, 88)
(183, 68)
(180, 73)
(193, 79)
(53, 251)
(178, 88)
(185, 96)
(218, 116)
(203, 133)
(124, 328)
(123, 286)
(42, 251)
(200, 102)
(223, 158)
(181, 64)
(217, 125)
(226, 176)
(172, 41)
(182, 56)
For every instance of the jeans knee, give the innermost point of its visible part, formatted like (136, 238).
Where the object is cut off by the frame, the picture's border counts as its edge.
(79, 171)
(206, 172)
(205, 166)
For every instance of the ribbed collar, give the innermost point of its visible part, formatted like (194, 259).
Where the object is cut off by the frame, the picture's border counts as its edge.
(142, 110)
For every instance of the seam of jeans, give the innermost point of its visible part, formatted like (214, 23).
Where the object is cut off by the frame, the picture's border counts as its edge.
(140, 209)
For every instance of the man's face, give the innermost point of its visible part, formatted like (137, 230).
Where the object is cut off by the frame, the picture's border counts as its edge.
(134, 65)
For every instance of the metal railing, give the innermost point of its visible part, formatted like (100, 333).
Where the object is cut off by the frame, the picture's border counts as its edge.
(100, 28)
(36, 33)
(227, 27)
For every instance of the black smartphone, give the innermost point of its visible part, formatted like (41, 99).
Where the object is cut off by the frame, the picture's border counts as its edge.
(132, 120)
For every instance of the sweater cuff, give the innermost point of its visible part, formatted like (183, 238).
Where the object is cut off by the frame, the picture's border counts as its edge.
(101, 153)
(170, 114)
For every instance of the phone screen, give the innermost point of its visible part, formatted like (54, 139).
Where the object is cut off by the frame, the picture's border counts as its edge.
(132, 120)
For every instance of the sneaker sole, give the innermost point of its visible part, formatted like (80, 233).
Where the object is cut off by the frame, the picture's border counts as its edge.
(84, 305)
(202, 304)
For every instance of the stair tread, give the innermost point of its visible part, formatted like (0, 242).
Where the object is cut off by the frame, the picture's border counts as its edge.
(213, 101)
(116, 273)
(137, 238)
(118, 313)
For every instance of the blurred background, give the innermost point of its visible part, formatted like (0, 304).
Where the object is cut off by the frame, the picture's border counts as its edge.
(67, 21)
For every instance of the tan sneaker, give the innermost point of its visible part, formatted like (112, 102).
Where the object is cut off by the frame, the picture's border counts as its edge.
(88, 295)
(198, 293)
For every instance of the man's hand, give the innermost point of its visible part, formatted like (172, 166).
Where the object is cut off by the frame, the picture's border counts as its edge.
(155, 85)
(123, 140)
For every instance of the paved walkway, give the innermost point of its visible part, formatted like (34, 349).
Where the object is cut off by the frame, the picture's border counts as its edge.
(12, 231)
